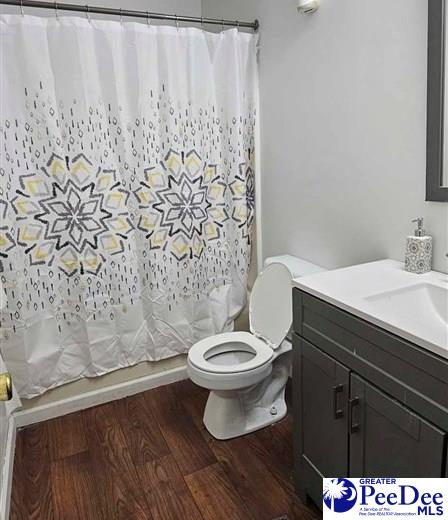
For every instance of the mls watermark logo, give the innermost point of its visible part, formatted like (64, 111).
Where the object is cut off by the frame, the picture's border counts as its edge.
(346, 499)
(339, 494)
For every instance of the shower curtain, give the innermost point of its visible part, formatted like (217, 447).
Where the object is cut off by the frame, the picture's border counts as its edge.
(127, 192)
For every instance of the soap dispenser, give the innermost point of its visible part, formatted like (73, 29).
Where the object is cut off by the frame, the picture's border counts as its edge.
(418, 257)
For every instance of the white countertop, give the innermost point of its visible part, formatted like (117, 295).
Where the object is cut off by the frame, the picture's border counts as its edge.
(356, 288)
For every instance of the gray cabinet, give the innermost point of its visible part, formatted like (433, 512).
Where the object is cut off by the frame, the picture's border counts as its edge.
(321, 408)
(366, 402)
(446, 464)
(387, 439)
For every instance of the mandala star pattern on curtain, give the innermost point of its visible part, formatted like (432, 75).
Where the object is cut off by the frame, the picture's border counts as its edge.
(127, 192)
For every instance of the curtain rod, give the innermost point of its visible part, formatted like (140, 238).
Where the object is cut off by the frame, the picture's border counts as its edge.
(127, 12)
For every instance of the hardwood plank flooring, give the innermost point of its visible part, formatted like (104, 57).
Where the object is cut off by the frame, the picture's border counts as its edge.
(72, 481)
(66, 436)
(31, 477)
(116, 477)
(141, 429)
(181, 434)
(166, 491)
(216, 495)
(149, 457)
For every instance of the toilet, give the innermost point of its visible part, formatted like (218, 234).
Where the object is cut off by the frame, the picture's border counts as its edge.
(246, 372)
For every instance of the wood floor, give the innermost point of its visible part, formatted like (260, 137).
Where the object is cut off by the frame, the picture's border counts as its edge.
(150, 457)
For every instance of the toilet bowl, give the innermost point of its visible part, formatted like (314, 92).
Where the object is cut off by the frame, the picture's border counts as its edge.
(246, 372)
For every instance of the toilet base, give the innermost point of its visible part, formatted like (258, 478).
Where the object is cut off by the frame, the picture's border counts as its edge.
(232, 413)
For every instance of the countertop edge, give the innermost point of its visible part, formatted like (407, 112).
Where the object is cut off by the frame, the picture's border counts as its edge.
(434, 349)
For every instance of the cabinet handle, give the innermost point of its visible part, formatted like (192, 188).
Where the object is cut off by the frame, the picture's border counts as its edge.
(352, 403)
(338, 412)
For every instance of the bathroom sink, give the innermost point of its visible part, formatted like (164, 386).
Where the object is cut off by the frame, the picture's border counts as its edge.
(423, 302)
(412, 306)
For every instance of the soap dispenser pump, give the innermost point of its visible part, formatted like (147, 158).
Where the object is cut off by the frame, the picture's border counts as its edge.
(418, 256)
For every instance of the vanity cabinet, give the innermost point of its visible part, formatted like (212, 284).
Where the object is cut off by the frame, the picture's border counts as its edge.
(366, 402)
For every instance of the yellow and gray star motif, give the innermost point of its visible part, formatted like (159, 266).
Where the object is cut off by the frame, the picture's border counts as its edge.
(72, 214)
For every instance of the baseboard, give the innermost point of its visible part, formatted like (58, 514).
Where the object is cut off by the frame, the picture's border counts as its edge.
(97, 397)
(5, 491)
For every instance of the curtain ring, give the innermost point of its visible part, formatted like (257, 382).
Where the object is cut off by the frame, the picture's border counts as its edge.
(148, 19)
(177, 22)
(21, 8)
(238, 25)
(121, 15)
(88, 12)
(56, 10)
(222, 21)
(202, 22)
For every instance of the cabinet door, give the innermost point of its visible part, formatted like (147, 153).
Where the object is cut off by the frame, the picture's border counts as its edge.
(320, 393)
(446, 463)
(387, 439)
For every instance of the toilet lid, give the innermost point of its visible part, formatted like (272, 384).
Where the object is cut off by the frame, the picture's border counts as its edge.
(270, 309)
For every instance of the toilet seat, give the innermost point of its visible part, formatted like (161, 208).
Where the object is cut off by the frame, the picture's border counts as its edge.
(202, 353)
(270, 317)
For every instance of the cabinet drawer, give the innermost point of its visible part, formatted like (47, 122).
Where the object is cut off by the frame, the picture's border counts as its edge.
(405, 371)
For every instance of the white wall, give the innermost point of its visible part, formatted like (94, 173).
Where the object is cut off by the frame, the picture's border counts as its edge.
(185, 7)
(343, 118)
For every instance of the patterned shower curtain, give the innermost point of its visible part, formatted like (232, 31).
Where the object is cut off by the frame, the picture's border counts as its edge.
(127, 192)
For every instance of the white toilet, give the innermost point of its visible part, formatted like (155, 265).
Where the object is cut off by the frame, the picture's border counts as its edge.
(246, 373)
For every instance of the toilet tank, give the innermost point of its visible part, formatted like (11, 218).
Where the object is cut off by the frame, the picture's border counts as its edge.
(297, 267)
